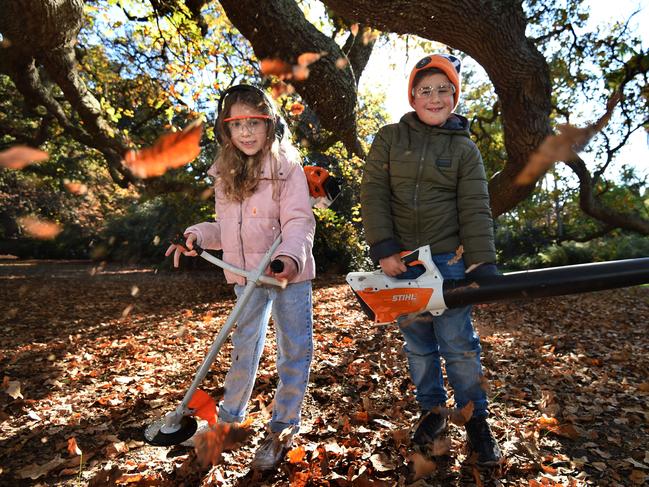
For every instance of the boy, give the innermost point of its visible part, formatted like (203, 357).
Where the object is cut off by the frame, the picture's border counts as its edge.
(424, 184)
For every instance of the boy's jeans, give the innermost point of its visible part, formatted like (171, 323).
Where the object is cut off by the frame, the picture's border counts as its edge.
(292, 316)
(452, 337)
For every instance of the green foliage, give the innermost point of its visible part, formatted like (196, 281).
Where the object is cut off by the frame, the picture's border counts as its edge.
(143, 233)
(618, 247)
(338, 247)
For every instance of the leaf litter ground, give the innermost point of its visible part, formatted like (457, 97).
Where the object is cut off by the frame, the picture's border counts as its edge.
(91, 354)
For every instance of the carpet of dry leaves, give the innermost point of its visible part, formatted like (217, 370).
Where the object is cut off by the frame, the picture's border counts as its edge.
(90, 355)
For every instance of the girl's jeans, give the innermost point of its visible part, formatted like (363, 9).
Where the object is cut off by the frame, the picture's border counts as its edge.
(451, 336)
(292, 316)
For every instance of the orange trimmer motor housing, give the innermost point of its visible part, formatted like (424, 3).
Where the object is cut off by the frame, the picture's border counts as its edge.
(323, 187)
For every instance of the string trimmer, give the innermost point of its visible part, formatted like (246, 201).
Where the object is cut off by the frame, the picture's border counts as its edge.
(180, 425)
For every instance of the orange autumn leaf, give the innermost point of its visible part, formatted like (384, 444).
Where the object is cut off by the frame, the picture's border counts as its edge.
(296, 109)
(341, 63)
(40, 229)
(168, 152)
(73, 448)
(300, 73)
(20, 156)
(276, 67)
(461, 416)
(222, 436)
(204, 406)
(296, 455)
(280, 88)
(563, 146)
(422, 466)
(307, 58)
(354, 29)
(361, 417)
(76, 187)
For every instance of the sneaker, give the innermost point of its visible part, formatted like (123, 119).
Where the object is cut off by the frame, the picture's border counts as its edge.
(271, 451)
(482, 443)
(430, 426)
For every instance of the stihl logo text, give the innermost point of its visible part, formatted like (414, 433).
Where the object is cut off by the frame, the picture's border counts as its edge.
(404, 297)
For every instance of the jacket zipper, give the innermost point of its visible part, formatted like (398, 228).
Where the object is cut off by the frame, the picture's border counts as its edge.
(243, 257)
(420, 168)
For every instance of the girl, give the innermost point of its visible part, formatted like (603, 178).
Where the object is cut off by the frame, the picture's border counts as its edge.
(261, 191)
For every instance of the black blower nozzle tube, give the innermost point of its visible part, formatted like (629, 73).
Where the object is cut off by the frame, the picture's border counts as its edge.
(554, 281)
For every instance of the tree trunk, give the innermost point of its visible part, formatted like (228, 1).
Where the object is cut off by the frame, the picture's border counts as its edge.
(278, 29)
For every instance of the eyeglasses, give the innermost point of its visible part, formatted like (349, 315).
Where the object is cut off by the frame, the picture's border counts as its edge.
(441, 91)
(250, 124)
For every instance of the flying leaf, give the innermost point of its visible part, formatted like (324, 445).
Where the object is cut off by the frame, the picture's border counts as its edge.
(341, 63)
(20, 156)
(461, 416)
(296, 455)
(12, 387)
(422, 466)
(300, 73)
(169, 151)
(223, 436)
(276, 67)
(76, 187)
(564, 146)
(296, 109)
(204, 406)
(40, 229)
(307, 58)
(73, 448)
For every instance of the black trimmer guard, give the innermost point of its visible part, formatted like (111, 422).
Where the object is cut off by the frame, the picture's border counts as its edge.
(154, 436)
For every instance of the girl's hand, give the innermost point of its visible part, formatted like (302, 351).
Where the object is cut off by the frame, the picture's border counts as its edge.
(289, 271)
(392, 266)
(186, 249)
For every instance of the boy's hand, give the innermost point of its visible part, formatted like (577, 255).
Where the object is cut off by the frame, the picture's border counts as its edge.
(289, 271)
(392, 266)
(186, 249)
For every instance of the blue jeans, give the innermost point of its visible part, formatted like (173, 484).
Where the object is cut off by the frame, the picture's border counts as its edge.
(292, 315)
(449, 336)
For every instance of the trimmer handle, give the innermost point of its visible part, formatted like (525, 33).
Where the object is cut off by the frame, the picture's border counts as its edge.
(277, 266)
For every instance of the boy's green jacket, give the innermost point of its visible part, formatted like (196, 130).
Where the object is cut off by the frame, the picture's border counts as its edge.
(426, 185)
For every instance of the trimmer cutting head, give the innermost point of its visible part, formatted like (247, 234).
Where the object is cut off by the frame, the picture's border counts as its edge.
(157, 434)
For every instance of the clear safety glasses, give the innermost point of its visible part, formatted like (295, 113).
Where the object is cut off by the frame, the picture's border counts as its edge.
(441, 91)
(248, 124)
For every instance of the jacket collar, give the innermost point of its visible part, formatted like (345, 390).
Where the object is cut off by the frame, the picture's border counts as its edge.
(454, 125)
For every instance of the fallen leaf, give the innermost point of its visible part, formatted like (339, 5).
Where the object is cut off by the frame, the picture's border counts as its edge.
(170, 151)
(382, 462)
(354, 29)
(20, 156)
(35, 471)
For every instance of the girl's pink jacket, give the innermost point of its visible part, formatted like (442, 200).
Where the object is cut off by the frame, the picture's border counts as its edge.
(246, 230)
